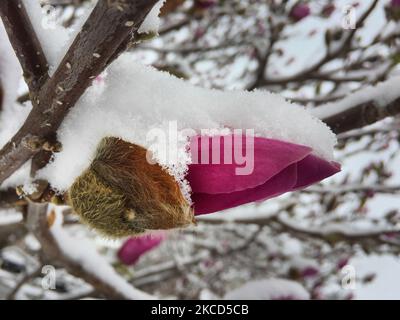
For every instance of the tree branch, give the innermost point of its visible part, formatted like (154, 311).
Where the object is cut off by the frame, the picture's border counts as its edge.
(311, 71)
(24, 280)
(361, 108)
(9, 198)
(25, 43)
(332, 233)
(39, 226)
(98, 43)
(361, 115)
(342, 189)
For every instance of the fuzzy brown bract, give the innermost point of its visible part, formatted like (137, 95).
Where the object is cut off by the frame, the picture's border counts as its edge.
(121, 194)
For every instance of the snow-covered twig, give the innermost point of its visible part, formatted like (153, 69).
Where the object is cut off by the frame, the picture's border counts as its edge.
(368, 131)
(78, 259)
(334, 232)
(362, 108)
(353, 188)
(24, 280)
(165, 270)
(329, 56)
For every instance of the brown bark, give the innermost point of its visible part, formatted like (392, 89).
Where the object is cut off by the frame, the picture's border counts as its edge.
(361, 115)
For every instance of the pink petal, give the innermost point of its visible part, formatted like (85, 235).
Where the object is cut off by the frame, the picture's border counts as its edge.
(284, 181)
(313, 169)
(395, 3)
(279, 167)
(270, 158)
(300, 11)
(134, 248)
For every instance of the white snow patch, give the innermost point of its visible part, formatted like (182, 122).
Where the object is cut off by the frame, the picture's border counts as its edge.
(151, 23)
(9, 216)
(140, 105)
(20, 177)
(10, 70)
(269, 289)
(387, 282)
(54, 38)
(30, 187)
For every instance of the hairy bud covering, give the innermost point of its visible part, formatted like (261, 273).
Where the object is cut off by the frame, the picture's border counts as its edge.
(122, 194)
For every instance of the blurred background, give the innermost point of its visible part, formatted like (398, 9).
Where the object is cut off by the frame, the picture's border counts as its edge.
(336, 240)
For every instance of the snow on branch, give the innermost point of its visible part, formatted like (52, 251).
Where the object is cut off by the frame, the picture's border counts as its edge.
(77, 256)
(313, 71)
(353, 188)
(362, 108)
(334, 231)
(10, 73)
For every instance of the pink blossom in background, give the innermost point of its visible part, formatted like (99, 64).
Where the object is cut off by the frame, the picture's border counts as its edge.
(395, 3)
(342, 263)
(199, 32)
(393, 10)
(309, 272)
(135, 247)
(279, 167)
(205, 4)
(300, 11)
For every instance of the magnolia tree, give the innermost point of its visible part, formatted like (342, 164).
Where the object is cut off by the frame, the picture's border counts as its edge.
(177, 149)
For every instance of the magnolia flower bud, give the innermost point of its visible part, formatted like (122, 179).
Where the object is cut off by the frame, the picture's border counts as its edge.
(121, 194)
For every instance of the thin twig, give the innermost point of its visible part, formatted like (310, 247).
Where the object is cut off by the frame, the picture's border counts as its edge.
(25, 43)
